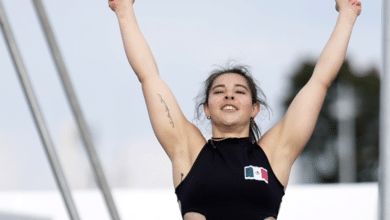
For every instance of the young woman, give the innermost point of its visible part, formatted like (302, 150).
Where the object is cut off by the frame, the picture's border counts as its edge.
(234, 175)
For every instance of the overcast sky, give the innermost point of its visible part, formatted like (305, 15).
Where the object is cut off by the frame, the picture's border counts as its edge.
(187, 38)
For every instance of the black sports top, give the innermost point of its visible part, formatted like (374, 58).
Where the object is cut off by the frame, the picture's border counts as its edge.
(231, 179)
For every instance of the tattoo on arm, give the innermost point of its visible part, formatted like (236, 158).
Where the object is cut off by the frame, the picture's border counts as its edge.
(167, 110)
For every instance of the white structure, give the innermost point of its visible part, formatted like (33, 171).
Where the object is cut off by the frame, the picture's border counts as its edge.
(301, 202)
(346, 113)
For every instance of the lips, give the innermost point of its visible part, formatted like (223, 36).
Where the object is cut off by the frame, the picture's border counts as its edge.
(229, 107)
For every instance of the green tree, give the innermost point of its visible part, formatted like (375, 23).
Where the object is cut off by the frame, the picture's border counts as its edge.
(366, 87)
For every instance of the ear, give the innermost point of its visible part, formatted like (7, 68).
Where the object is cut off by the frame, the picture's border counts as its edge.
(255, 109)
(206, 110)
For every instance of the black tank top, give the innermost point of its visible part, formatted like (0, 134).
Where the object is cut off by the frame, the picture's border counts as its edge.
(231, 179)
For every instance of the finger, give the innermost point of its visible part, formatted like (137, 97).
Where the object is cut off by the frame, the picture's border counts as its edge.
(359, 4)
(112, 6)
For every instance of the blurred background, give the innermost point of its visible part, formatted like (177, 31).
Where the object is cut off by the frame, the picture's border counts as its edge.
(280, 40)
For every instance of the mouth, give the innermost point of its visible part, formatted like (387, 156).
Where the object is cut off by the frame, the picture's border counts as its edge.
(229, 108)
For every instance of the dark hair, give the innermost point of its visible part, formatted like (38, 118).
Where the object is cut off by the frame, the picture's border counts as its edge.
(257, 94)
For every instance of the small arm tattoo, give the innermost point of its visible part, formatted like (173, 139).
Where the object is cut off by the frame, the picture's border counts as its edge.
(167, 110)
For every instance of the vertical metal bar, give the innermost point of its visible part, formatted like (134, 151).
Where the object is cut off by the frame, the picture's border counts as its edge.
(97, 168)
(38, 118)
(384, 152)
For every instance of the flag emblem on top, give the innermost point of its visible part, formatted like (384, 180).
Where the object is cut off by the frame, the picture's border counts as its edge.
(256, 173)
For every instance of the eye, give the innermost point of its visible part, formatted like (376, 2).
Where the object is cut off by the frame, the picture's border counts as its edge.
(240, 92)
(217, 92)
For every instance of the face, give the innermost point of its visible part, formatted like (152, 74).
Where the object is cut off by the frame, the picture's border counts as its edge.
(230, 101)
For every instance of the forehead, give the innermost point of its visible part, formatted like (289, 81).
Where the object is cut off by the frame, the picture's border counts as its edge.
(230, 79)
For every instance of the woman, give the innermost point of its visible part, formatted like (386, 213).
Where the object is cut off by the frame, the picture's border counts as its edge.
(233, 175)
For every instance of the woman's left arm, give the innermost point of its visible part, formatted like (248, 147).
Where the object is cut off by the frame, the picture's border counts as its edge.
(333, 55)
(295, 129)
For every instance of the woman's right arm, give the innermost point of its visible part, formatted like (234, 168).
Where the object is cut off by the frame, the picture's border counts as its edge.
(169, 124)
(137, 50)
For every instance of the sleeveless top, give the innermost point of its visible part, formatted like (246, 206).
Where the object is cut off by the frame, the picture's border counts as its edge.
(231, 179)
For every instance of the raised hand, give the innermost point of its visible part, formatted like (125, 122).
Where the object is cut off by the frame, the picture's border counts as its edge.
(354, 6)
(117, 5)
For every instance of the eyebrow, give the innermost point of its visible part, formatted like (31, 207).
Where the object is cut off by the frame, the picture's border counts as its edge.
(236, 85)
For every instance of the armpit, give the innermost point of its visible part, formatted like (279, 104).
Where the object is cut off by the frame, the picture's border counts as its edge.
(194, 216)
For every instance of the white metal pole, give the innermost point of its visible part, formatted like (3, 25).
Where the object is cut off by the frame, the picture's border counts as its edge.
(37, 115)
(384, 151)
(82, 124)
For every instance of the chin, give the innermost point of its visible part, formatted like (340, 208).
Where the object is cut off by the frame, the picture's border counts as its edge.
(230, 122)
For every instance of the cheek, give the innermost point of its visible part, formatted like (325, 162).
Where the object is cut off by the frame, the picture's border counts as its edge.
(214, 102)
(246, 99)
(247, 104)
(247, 107)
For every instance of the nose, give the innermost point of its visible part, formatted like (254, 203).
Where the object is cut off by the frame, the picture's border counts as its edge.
(227, 97)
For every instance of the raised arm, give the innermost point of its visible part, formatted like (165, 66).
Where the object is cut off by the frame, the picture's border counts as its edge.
(293, 132)
(137, 50)
(333, 55)
(168, 122)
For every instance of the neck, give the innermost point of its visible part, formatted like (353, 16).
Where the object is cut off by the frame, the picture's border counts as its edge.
(219, 133)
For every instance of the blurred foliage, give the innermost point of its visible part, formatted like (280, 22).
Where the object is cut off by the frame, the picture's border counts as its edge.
(366, 86)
